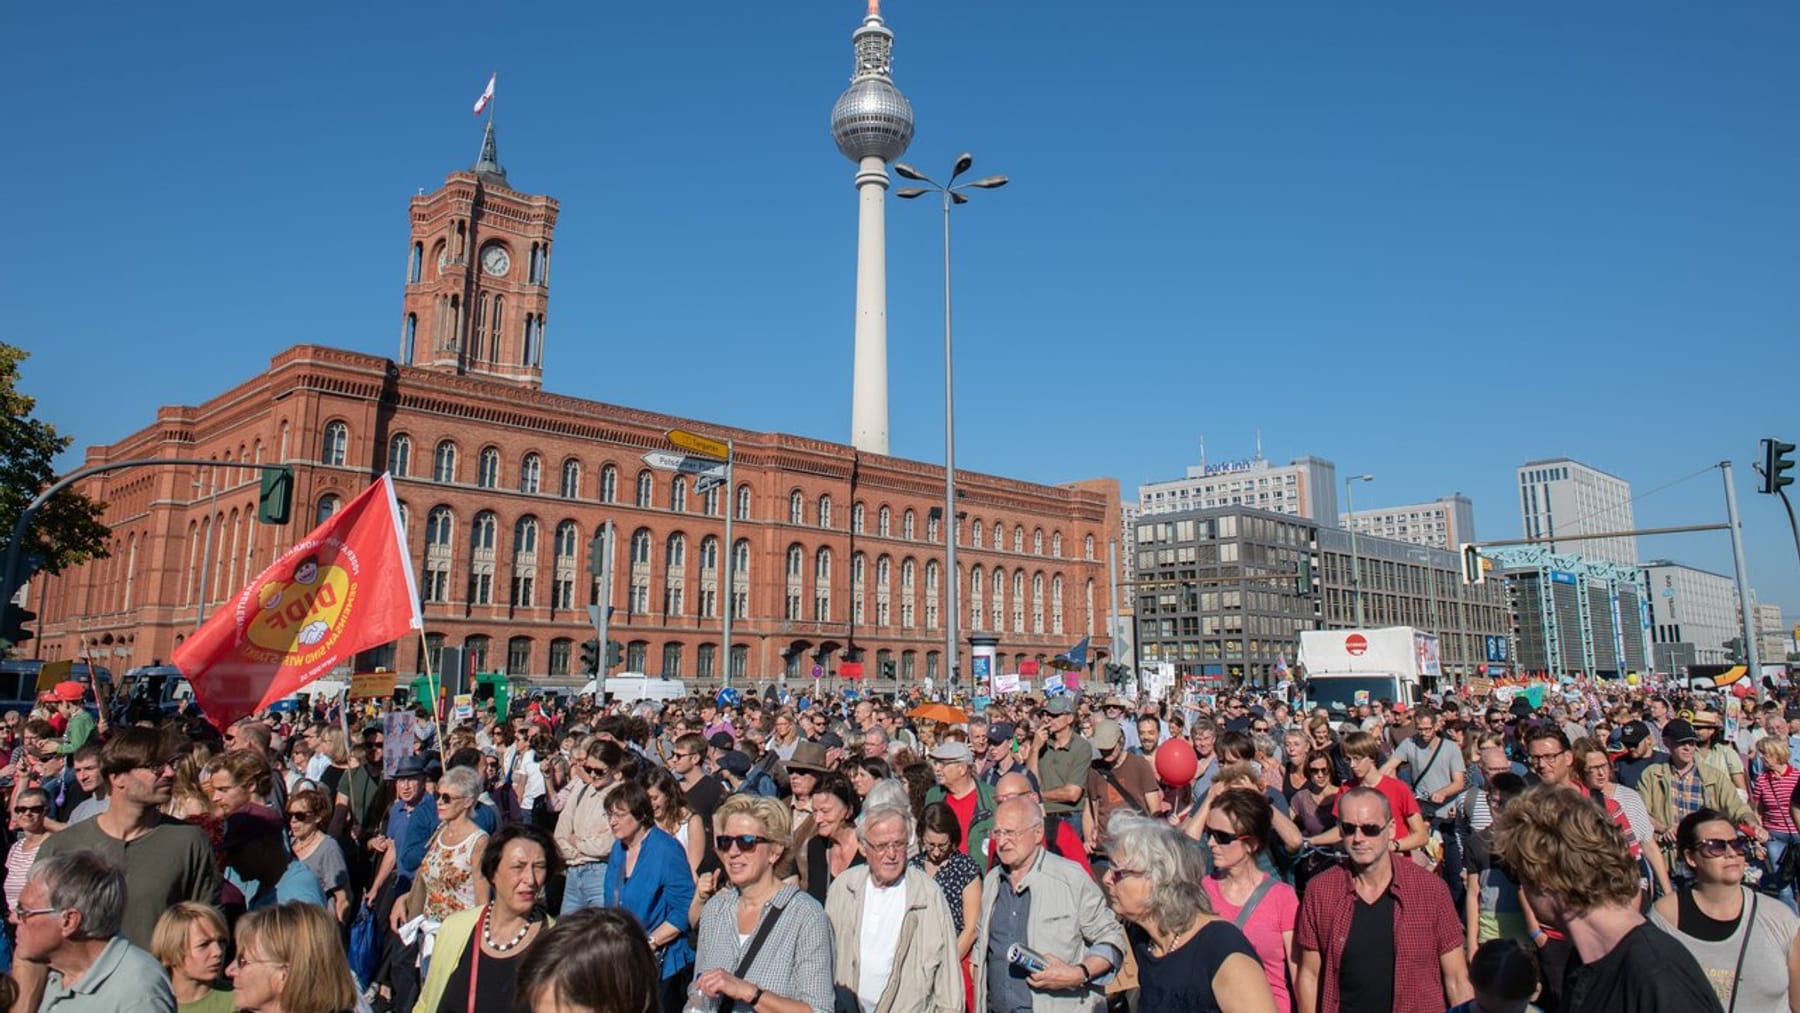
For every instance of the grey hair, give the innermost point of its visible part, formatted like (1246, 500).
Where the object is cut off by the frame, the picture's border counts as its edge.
(464, 779)
(85, 881)
(1170, 863)
(1264, 743)
(881, 813)
(890, 793)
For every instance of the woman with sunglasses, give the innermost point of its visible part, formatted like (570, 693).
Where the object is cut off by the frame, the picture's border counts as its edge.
(764, 946)
(306, 812)
(1265, 908)
(1745, 942)
(1188, 958)
(648, 875)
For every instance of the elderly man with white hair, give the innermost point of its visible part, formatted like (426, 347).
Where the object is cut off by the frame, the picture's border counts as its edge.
(894, 939)
(68, 917)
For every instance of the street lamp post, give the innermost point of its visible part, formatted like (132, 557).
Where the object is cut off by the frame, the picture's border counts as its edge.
(952, 193)
(1355, 560)
(1430, 589)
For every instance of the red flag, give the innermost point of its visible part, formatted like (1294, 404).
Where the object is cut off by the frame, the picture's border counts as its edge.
(346, 587)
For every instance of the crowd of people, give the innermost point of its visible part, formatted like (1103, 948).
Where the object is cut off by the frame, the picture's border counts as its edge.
(1607, 848)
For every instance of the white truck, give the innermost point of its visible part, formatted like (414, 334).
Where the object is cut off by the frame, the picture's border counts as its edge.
(631, 687)
(1348, 668)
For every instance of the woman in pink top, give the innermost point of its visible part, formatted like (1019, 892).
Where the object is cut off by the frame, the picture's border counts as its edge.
(1236, 829)
(1772, 797)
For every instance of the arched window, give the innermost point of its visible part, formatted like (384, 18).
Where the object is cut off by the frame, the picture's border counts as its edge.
(884, 522)
(487, 473)
(328, 505)
(671, 660)
(609, 484)
(976, 534)
(1037, 603)
(646, 489)
(709, 577)
(531, 474)
(931, 594)
(560, 651)
(907, 525)
(409, 339)
(481, 562)
(675, 575)
(640, 546)
(571, 479)
(399, 455)
(740, 589)
(1056, 544)
(908, 592)
(977, 591)
(884, 573)
(856, 518)
(1018, 601)
(562, 590)
(858, 580)
(825, 511)
(640, 572)
(568, 540)
(796, 508)
(1087, 547)
(675, 552)
(524, 582)
(440, 528)
(495, 322)
(1056, 604)
(525, 535)
(796, 557)
(481, 327)
(336, 449)
(743, 507)
(822, 585)
(415, 263)
(484, 530)
(999, 535)
(678, 494)
(443, 462)
(1037, 541)
(997, 607)
(796, 568)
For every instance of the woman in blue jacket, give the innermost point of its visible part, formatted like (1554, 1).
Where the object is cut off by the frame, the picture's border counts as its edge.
(649, 876)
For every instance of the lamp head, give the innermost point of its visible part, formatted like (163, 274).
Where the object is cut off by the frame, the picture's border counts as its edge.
(988, 183)
(963, 162)
(908, 193)
(908, 172)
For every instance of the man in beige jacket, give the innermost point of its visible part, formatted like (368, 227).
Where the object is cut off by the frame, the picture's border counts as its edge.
(894, 940)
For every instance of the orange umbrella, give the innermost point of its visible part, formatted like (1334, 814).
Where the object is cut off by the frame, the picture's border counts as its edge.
(939, 712)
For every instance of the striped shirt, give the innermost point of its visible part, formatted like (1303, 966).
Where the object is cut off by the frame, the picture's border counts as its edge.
(794, 962)
(1771, 795)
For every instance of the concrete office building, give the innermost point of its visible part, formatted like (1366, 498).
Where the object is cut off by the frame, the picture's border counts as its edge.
(1692, 614)
(1225, 592)
(1305, 487)
(1444, 523)
(1572, 616)
(1562, 499)
(1774, 638)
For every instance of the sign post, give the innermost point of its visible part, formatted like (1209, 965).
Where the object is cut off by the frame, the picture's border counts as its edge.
(712, 460)
(599, 614)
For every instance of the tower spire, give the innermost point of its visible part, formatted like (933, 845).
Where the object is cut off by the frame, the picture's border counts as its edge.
(488, 165)
(872, 124)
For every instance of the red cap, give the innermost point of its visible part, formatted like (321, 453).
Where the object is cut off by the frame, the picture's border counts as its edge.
(68, 692)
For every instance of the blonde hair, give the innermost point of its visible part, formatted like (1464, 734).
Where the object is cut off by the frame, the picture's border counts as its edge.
(1772, 747)
(331, 742)
(169, 941)
(1562, 842)
(772, 813)
(1361, 746)
(302, 936)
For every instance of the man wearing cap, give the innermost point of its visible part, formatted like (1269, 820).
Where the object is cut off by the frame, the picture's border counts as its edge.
(1640, 753)
(1684, 785)
(411, 803)
(1006, 754)
(1060, 759)
(1116, 779)
(68, 697)
(952, 763)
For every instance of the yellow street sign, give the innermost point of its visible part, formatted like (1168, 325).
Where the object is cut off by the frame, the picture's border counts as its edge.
(701, 445)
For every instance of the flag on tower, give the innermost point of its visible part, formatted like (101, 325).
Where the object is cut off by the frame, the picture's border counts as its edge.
(346, 587)
(487, 94)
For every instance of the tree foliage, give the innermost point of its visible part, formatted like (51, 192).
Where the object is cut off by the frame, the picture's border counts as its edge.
(67, 530)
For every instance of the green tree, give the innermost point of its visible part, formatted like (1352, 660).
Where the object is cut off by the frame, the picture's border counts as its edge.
(67, 530)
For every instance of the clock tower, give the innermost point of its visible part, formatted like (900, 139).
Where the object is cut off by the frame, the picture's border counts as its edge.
(478, 276)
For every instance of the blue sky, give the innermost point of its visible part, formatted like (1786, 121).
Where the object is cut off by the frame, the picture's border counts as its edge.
(1427, 241)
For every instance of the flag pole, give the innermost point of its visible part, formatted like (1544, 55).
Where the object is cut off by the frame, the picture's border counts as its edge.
(431, 686)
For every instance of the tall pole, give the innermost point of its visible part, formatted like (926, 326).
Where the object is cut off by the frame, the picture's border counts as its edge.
(951, 651)
(1743, 581)
(603, 617)
(1112, 626)
(1355, 559)
(730, 567)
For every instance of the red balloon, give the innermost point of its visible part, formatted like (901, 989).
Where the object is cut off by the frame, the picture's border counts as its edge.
(1176, 763)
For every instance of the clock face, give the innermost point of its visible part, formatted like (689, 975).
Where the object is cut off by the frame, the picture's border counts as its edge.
(495, 261)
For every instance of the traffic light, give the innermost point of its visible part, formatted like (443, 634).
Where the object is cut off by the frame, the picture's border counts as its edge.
(276, 499)
(615, 655)
(590, 657)
(887, 670)
(1474, 568)
(1777, 462)
(1734, 650)
(12, 627)
(597, 556)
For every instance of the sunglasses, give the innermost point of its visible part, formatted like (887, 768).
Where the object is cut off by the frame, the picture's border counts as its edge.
(300, 814)
(1363, 829)
(594, 771)
(1222, 837)
(727, 843)
(1318, 770)
(27, 810)
(1718, 848)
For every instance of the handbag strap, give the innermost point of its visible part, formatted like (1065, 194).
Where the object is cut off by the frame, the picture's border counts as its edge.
(1112, 779)
(756, 944)
(1255, 898)
(1737, 974)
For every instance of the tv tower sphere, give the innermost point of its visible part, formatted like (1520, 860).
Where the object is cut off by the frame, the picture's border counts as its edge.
(871, 118)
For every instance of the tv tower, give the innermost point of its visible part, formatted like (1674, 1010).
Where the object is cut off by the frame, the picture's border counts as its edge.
(872, 124)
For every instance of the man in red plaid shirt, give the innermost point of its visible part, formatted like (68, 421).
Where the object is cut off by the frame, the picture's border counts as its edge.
(1375, 933)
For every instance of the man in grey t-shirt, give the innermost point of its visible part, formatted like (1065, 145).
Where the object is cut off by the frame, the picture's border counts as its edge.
(1435, 763)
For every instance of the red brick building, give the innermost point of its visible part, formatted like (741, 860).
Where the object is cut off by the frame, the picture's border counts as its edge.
(503, 486)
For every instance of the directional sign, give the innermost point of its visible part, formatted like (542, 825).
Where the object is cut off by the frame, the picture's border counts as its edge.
(707, 483)
(702, 445)
(686, 464)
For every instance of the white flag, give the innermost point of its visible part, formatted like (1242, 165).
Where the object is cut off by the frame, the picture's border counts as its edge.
(487, 95)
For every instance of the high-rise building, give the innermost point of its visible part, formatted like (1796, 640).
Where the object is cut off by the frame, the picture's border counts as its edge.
(1572, 616)
(1692, 614)
(1774, 640)
(872, 124)
(1562, 499)
(1305, 487)
(1444, 523)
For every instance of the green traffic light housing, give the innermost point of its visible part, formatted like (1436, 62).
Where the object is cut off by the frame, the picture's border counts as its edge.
(1778, 461)
(275, 501)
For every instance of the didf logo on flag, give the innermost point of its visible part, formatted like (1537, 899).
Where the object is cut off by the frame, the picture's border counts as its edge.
(344, 588)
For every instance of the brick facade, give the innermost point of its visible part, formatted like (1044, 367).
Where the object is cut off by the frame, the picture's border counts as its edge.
(507, 575)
